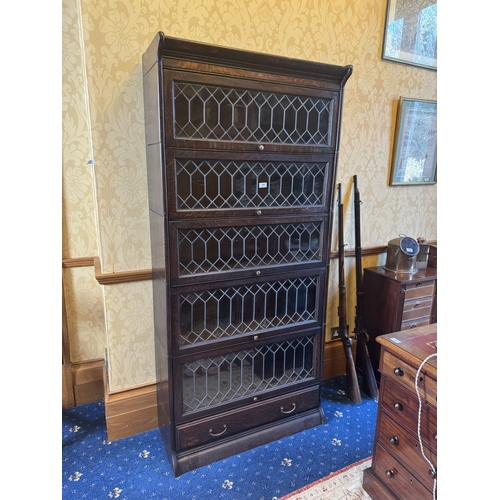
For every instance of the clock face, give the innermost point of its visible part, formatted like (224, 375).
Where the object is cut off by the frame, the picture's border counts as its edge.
(409, 246)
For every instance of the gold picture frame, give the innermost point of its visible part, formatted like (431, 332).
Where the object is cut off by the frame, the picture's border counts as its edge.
(414, 156)
(410, 33)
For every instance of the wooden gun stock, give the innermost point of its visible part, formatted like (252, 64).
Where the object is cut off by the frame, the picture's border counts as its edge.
(369, 382)
(353, 392)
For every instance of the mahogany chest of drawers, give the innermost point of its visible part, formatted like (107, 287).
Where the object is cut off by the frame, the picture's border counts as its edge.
(396, 302)
(399, 469)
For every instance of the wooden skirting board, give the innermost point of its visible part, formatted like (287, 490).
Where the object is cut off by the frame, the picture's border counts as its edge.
(82, 383)
(131, 411)
(334, 363)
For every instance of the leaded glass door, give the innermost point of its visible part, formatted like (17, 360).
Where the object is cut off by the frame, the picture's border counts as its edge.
(237, 114)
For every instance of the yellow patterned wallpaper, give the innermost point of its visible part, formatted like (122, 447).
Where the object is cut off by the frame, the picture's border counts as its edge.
(105, 206)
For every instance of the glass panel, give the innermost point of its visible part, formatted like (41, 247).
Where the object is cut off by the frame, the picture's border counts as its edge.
(230, 114)
(209, 382)
(220, 184)
(223, 312)
(231, 248)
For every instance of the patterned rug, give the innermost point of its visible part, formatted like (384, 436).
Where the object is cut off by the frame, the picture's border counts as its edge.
(137, 467)
(345, 484)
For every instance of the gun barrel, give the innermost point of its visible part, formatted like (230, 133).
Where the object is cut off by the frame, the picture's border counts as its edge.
(363, 356)
(353, 392)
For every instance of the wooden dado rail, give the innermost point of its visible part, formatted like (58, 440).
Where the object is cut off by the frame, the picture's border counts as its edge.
(147, 274)
(108, 278)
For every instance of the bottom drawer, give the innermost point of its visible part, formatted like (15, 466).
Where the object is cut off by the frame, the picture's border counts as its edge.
(397, 478)
(406, 447)
(414, 323)
(210, 429)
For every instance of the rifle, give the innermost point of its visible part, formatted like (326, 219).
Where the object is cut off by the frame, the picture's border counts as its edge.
(353, 392)
(369, 382)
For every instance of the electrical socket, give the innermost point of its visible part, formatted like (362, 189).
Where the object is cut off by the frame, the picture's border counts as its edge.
(335, 332)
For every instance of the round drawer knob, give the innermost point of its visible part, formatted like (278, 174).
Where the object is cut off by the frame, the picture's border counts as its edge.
(258, 273)
(394, 440)
(256, 337)
(261, 148)
(259, 212)
(389, 473)
(398, 406)
(399, 372)
(255, 398)
(433, 474)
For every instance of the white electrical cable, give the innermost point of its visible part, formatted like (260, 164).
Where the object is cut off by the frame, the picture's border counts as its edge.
(418, 425)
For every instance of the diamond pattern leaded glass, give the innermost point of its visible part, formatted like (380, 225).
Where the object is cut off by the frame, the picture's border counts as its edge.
(223, 184)
(231, 114)
(212, 381)
(214, 314)
(219, 249)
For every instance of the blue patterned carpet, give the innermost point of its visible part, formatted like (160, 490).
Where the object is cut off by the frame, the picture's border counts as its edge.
(137, 467)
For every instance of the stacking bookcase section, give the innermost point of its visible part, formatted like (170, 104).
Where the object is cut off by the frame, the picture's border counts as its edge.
(241, 155)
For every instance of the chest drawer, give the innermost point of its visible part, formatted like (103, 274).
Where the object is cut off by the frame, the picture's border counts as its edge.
(415, 323)
(419, 289)
(406, 448)
(396, 477)
(218, 427)
(417, 308)
(402, 372)
(402, 406)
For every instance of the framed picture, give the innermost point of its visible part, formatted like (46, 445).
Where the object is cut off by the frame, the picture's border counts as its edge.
(414, 155)
(410, 34)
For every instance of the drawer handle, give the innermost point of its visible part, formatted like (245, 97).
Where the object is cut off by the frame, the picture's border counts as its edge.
(217, 434)
(417, 304)
(257, 273)
(435, 437)
(398, 406)
(433, 474)
(289, 411)
(399, 372)
(394, 440)
(389, 473)
(259, 212)
(261, 148)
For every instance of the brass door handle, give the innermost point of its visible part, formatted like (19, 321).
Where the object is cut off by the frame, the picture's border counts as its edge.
(289, 411)
(217, 434)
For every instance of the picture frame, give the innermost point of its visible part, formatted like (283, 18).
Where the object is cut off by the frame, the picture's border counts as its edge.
(410, 33)
(414, 156)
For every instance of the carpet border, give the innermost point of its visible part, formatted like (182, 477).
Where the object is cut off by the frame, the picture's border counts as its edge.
(326, 478)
